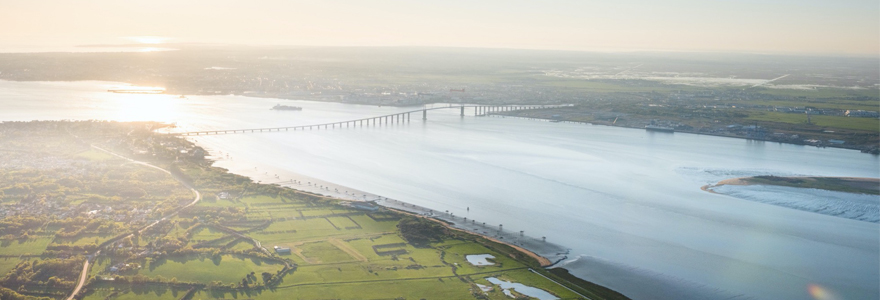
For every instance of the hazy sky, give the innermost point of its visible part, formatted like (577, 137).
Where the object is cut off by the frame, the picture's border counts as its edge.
(767, 26)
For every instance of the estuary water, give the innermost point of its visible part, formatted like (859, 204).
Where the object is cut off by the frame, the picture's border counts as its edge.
(626, 202)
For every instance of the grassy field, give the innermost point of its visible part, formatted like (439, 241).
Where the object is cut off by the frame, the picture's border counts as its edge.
(430, 288)
(154, 293)
(228, 269)
(95, 155)
(7, 263)
(206, 233)
(456, 254)
(822, 93)
(324, 252)
(33, 246)
(864, 124)
(84, 239)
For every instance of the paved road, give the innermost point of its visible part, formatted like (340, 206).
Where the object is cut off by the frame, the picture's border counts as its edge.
(82, 279)
(198, 196)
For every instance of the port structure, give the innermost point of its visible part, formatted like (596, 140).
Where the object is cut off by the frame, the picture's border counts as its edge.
(396, 118)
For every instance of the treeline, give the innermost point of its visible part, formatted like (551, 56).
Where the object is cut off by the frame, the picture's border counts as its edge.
(7, 294)
(53, 273)
(421, 231)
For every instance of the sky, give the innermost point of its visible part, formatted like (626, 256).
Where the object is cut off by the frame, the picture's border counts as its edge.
(845, 27)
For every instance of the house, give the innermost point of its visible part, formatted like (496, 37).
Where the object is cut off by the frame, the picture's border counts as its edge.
(282, 250)
(862, 114)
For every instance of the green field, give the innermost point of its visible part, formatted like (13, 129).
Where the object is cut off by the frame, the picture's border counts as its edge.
(146, 293)
(96, 155)
(7, 263)
(823, 93)
(864, 124)
(84, 239)
(192, 268)
(432, 288)
(33, 246)
(456, 254)
(206, 233)
(324, 252)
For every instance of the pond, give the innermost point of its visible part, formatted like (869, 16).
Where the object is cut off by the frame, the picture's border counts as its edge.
(506, 286)
(480, 259)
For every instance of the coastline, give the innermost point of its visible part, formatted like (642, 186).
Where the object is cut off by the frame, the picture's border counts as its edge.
(547, 254)
(841, 146)
(543, 261)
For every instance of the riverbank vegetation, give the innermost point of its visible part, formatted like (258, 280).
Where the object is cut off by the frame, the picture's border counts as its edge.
(849, 185)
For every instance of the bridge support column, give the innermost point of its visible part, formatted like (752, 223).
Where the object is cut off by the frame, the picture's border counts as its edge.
(424, 114)
(407, 117)
(462, 110)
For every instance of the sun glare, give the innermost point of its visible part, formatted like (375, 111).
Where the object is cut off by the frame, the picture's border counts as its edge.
(151, 49)
(148, 39)
(163, 108)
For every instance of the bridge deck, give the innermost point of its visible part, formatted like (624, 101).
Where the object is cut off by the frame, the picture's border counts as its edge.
(479, 110)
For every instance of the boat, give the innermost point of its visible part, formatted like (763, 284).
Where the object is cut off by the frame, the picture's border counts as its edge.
(285, 107)
(659, 128)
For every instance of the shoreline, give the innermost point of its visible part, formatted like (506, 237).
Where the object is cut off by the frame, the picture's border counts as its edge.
(845, 147)
(543, 261)
(539, 250)
(546, 253)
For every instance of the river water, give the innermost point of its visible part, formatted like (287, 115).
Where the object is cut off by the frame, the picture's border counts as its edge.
(626, 202)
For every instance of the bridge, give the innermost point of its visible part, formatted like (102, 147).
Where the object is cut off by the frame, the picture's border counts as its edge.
(396, 118)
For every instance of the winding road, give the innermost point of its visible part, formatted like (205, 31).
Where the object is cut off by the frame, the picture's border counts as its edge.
(198, 196)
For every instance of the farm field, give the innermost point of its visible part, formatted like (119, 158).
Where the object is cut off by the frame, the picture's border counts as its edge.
(194, 268)
(31, 246)
(864, 124)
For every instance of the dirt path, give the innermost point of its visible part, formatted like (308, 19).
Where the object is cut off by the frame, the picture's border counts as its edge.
(82, 280)
(347, 249)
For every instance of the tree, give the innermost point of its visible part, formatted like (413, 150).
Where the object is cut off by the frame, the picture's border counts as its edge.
(419, 231)
(267, 277)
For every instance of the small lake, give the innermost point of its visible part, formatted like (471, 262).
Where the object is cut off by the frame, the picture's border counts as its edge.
(533, 292)
(480, 259)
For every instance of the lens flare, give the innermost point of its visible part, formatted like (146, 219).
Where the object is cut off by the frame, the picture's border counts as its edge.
(820, 293)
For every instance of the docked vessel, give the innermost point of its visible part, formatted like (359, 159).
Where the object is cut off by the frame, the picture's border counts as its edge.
(659, 128)
(285, 107)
